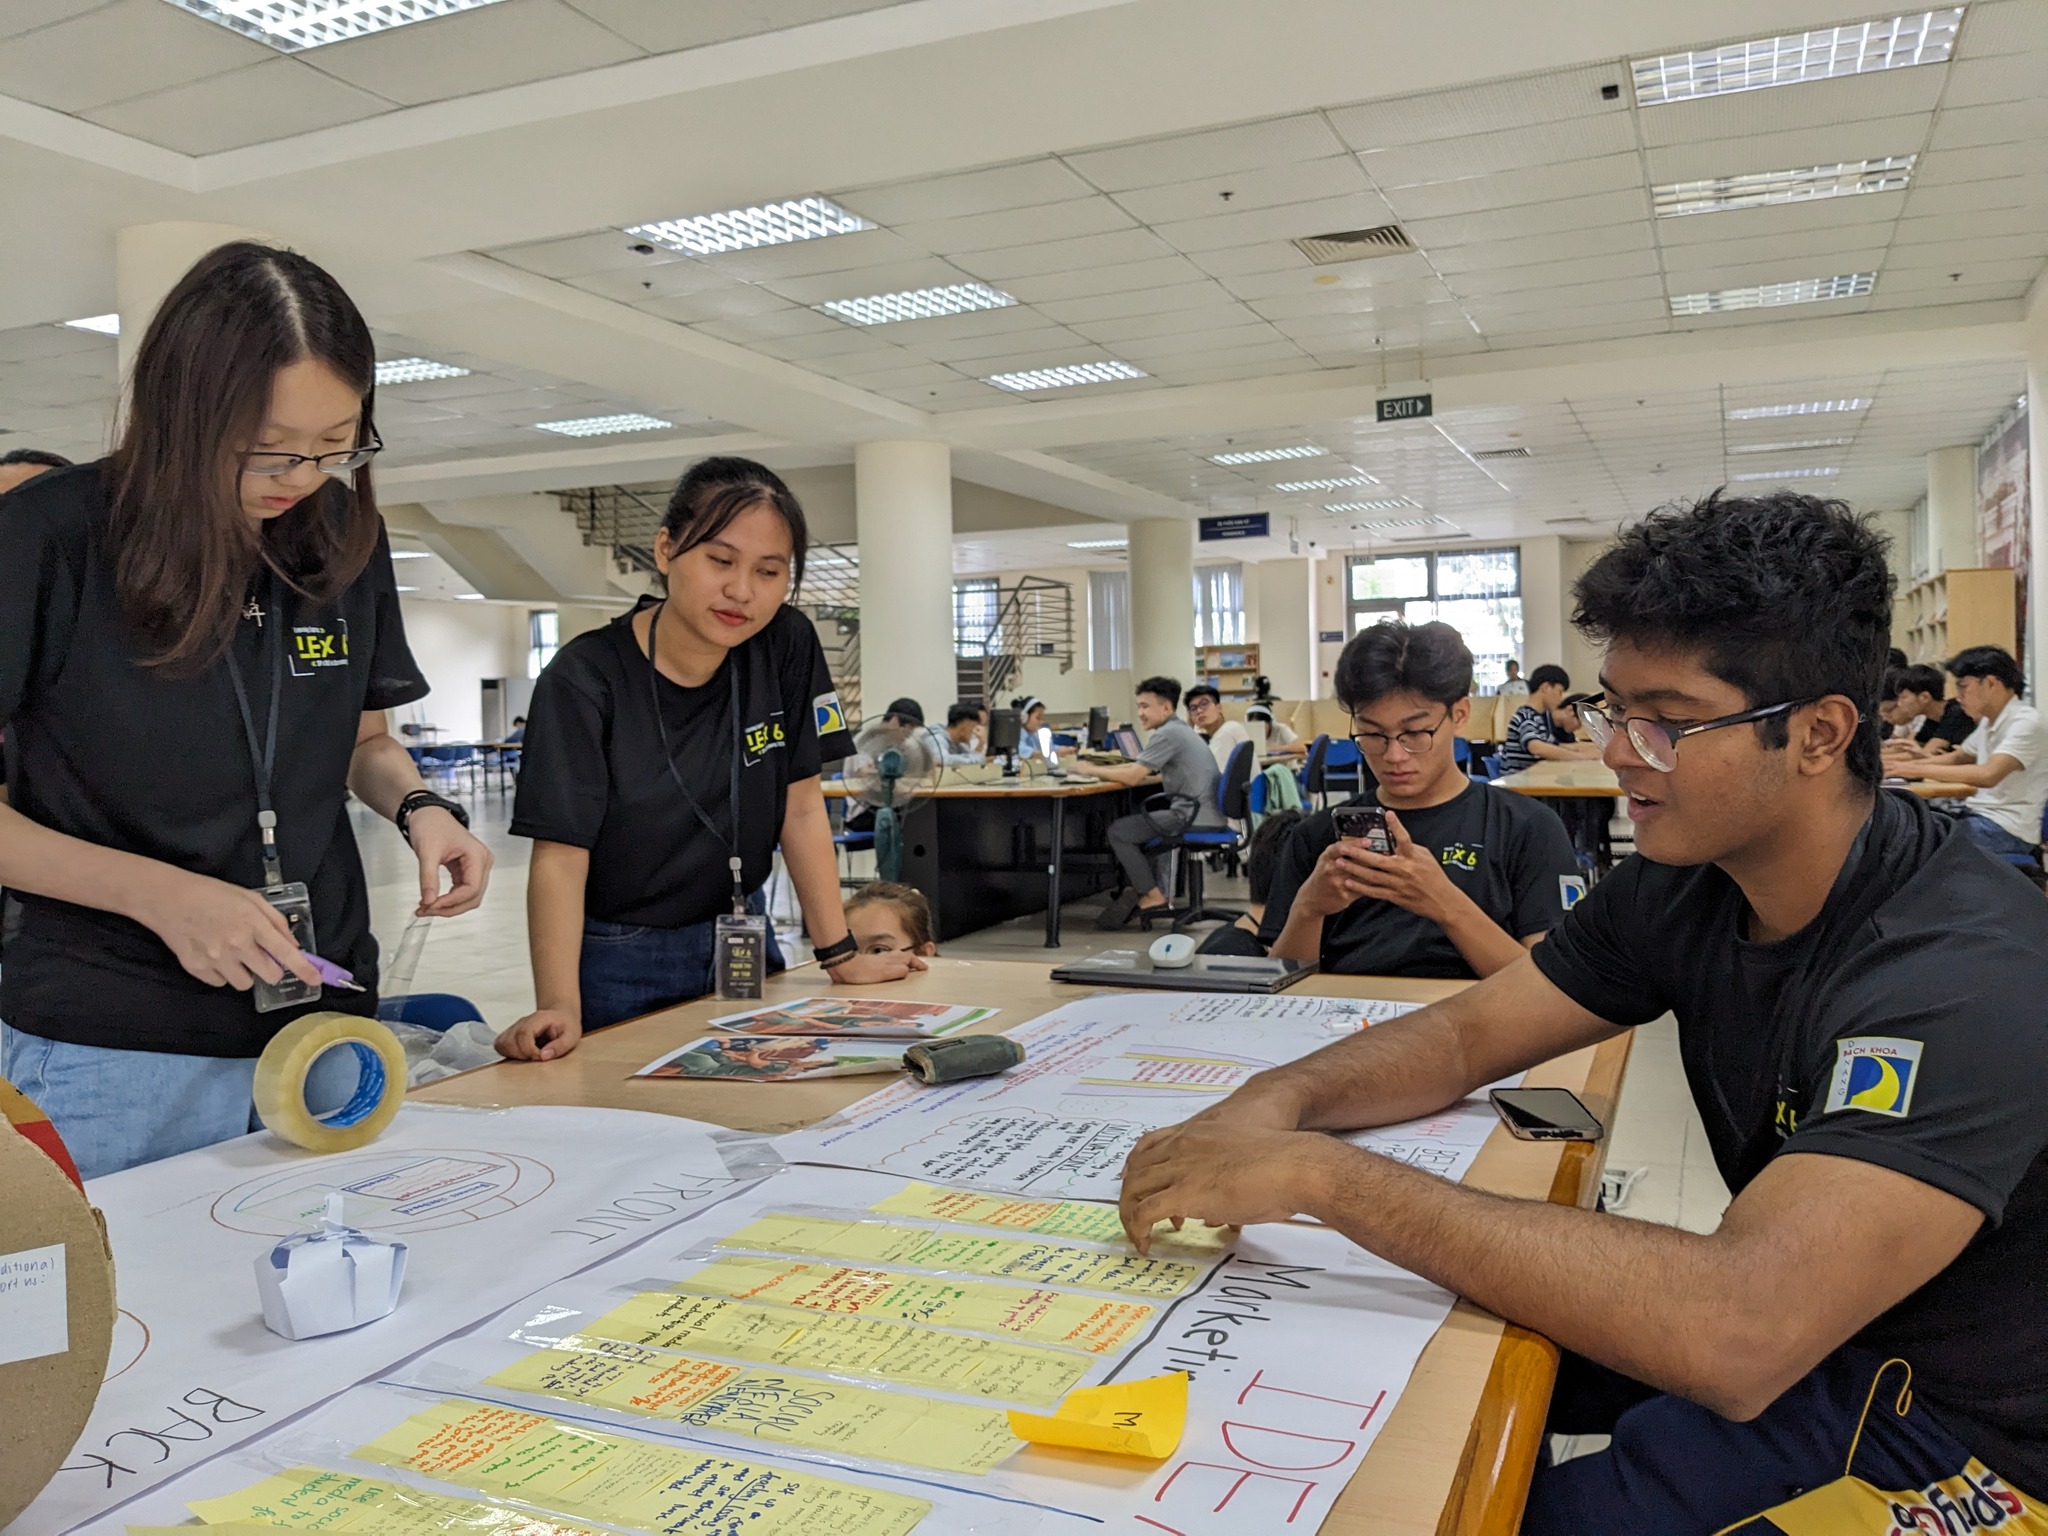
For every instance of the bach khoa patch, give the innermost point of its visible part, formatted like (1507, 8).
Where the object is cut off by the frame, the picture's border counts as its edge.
(1875, 1073)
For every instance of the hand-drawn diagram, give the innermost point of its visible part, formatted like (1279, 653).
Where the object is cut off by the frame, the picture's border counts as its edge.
(390, 1192)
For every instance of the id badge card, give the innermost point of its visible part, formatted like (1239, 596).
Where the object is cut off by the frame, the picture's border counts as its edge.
(296, 903)
(740, 954)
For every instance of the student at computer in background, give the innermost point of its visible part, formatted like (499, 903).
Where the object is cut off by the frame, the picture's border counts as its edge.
(1261, 854)
(1944, 724)
(1543, 730)
(1031, 720)
(963, 734)
(2005, 758)
(1857, 991)
(1281, 740)
(1205, 713)
(1476, 875)
(1187, 780)
(891, 919)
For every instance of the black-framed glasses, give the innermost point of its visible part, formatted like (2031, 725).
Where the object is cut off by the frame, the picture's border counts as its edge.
(1414, 743)
(1655, 741)
(347, 461)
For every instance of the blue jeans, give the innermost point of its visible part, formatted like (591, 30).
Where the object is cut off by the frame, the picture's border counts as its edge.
(1677, 1469)
(1991, 837)
(115, 1109)
(627, 970)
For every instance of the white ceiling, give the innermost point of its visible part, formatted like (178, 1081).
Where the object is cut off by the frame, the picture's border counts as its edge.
(1076, 153)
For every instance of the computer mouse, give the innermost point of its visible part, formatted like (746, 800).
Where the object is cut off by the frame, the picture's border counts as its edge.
(1171, 951)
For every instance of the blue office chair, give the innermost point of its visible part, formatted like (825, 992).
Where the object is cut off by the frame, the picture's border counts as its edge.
(1492, 766)
(1312, 768)
(859, 840)
(1461, 752)
(438, 1011)
(1233, 799)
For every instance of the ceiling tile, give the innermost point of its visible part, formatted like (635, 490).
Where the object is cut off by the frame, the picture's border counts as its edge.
(809, 258)
(1541, 184)
(19, 16)
(1548, 97)
(663, 26)
(1531, 250)
(1091, 281)
(1564, 215)
(2029, 191)
(1850, 219)
(862, 282)
(1798, 109)
(126, 49)
(479, 50)
(1188, 157)
(1064, 255)
(604, 250)
(715, 304)
(1024, 185)
(1293, 221)
(664, 280)
(2007, 77)
(273, 99)
(2007, 122)
(1555, 275)
(1092, 215)
(1146, 350)
(1242, 191)
(1171, 298)
(1827, 144)
(1514, 149)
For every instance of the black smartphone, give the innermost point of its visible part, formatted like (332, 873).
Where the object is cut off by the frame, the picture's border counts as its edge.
(1545, 1114)
(1366, 824)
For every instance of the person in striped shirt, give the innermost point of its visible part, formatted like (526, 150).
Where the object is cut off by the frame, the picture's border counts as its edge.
(1542, 729)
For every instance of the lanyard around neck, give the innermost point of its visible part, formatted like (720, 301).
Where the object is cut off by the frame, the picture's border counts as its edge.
(263, 757)
(732, 844)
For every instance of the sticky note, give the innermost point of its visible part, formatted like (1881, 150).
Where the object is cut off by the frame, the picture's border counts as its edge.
(1089, 1219)
(1124, 1418)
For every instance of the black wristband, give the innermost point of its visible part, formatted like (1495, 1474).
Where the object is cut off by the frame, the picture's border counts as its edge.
(422, 799)
(843, 948)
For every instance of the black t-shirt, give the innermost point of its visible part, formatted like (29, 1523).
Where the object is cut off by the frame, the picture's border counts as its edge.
(1954, 727)
(103, 749)
(592, 773)
(1504, 850)
(1902, 1027)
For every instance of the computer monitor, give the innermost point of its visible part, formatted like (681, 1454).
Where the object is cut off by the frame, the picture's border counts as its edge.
(1005, 731)
(1098, 726)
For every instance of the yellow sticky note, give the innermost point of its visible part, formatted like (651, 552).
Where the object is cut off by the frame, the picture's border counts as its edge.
(1125, 1418)
(224, 1528)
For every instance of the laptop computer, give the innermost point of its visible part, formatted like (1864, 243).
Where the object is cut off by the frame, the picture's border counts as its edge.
(1205, 973)
(1126, 741)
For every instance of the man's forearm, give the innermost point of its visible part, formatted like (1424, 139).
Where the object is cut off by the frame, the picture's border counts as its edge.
(1301, 938)
(382, 773)
(1405, 1068)
(1486, 946)
(554, 922)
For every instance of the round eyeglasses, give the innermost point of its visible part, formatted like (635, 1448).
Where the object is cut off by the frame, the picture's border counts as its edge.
(345, 462)
(1414, 743)
(1656, 741)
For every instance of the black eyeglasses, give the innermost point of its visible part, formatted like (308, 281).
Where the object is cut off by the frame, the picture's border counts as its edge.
(1656, 741)
(345, 462)
(1414, 743)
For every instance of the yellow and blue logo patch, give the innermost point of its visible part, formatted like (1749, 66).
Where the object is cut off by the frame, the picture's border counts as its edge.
(830, 716)
(1874, 1073)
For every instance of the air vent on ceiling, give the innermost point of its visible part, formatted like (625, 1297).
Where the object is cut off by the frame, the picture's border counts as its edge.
(1355, 244)
(1500, 453)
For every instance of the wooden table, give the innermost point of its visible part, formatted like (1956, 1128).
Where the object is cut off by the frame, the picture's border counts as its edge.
(965, 860)
(1456, 1455)
(1596, 781)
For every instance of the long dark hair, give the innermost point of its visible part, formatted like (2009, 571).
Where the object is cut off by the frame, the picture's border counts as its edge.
(714, 491)
(184, 551)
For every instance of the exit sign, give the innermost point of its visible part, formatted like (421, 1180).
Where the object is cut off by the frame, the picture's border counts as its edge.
(1405, 408)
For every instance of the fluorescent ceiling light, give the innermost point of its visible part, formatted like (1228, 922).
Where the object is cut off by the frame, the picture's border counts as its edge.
(742, 229)
(1762, 189)
(1269, 455)
(1786, 474)
(1805, 290)
(1339, 483)
(292, 25)
(416, 370)
(1926, 37)
(605, 426)
(408, 589)
(1066, 376)
(1802, 443)
(1098, 544)
(1430, 521)
(412, 554)
(1802, 408)
(1383, 504)
(469, 597)
(917, 304)
(105, 325)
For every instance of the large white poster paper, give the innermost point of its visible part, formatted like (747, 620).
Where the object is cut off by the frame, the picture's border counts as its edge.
(491, 1203)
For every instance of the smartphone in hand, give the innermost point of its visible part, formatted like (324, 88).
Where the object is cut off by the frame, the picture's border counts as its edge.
(1366, 824)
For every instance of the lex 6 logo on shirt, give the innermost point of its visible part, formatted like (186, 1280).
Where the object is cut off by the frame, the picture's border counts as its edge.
(314, 646)
(1874, 1073)
(1461, 855)
(764, 738)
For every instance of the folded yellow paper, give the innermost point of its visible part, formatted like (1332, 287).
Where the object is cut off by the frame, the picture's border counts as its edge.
(1125, 1418)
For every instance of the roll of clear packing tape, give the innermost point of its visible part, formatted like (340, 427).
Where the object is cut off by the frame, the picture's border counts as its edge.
(286, 1062)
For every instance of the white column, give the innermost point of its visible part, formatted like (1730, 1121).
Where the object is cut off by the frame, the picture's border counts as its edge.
(1952, 507)
(903, 511)
(1163, 599)
(148, 261)
(1287, 626)
(1544, 606)
(2034, 622)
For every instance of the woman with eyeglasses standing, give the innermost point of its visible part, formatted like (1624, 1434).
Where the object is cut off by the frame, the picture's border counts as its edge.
(199, 636)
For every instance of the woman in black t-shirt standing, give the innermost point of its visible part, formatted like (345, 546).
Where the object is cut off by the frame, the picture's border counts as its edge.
(199, 636)
(677, 741)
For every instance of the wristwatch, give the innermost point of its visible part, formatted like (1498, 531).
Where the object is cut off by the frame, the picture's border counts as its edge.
(829, 955)
(424, 799)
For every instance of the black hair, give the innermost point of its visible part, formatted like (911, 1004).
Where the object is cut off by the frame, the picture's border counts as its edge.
(1993, 661)
(1896, 659)
(1783, 596)
(1396, 657)
(1917, 679)
(956, 713)
(1202, 691)
(519, 719)
(1550, 672)
(40, 456)
(1262, 854)
(716, 490)
(1167, 688)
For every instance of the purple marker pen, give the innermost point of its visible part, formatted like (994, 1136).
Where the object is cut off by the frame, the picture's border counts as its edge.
(332, 974)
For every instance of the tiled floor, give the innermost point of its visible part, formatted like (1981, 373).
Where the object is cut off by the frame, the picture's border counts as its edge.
(482, 956)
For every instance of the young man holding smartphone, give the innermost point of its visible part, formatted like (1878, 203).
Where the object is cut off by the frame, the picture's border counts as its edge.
(1858, 993)
(1430, 873)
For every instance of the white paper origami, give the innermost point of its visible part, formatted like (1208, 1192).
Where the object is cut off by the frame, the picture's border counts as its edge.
(322, 1282)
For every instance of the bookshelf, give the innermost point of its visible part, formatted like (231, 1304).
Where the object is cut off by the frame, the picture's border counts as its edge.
(1229, 669)
(1953, 610)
